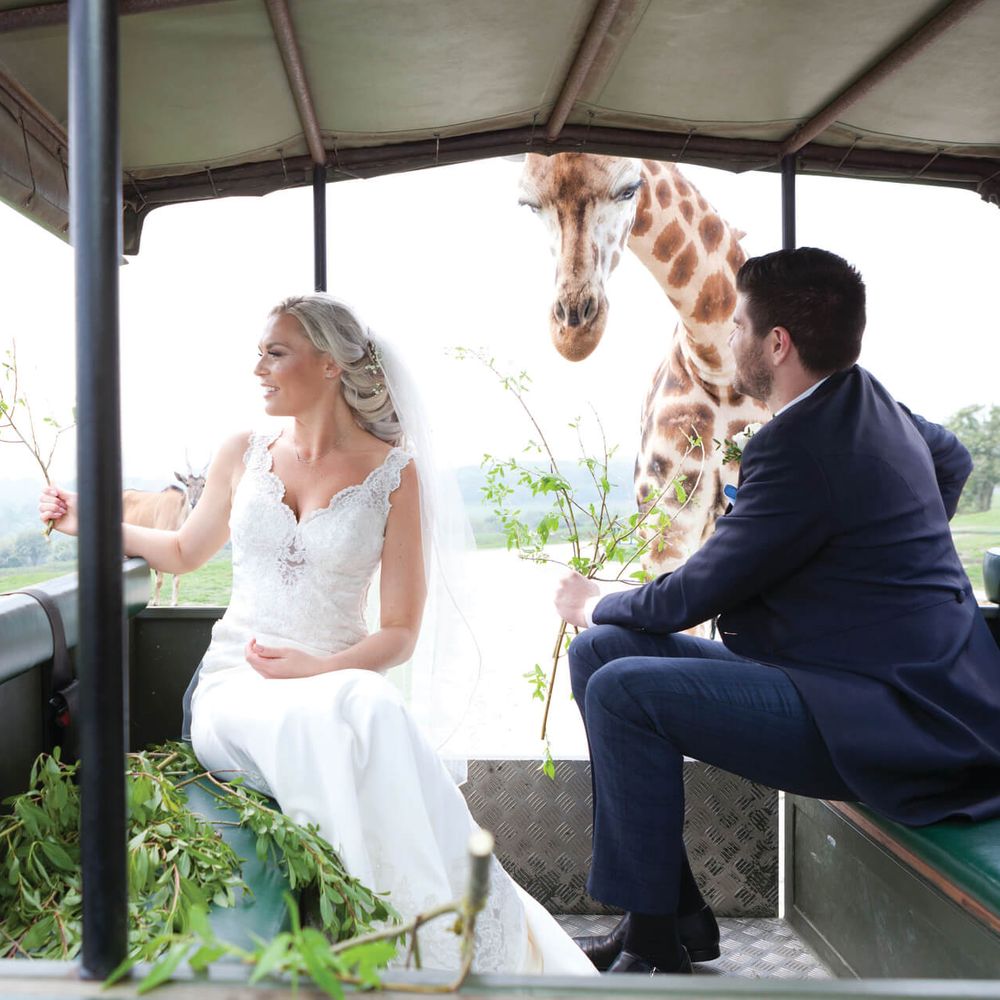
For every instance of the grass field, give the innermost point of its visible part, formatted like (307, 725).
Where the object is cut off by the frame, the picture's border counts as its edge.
(15, 579)
(973, 534)
(209, 585)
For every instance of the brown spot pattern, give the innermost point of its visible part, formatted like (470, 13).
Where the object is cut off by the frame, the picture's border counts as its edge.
(713, 392)
(679, 420)
(683, 188)
(711, 230)
(734, 398)
(736, 256)
(643, 216)
(615, 258)
(687, 210)
(716, 300)
(683, 270)
(668, 242)
(658, 467)
(669, 551)
(702, 204)
(678, 379)
(663, 194)
(735, 427)
(653, 166)
(718, 496)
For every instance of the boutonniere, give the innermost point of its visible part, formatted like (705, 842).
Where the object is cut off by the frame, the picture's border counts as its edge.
(732, 448)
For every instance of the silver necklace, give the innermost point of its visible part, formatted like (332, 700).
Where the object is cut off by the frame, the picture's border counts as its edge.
(312, 461)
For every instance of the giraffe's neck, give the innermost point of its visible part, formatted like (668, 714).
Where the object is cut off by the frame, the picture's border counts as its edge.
(694, 255)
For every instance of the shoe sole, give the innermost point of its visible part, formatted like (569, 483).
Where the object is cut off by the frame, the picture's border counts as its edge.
(704, 954)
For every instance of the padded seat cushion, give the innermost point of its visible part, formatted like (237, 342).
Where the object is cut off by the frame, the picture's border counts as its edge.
(257, 917)
(967, 854)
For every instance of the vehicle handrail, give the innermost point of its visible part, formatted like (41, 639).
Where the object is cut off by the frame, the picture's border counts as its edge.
(25, 634)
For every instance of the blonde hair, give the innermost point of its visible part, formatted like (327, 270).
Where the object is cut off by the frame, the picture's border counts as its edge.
(334, 329)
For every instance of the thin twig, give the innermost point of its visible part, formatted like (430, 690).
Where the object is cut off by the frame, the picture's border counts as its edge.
(556, 653)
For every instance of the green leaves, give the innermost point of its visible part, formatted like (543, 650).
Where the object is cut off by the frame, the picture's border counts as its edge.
(595, 533)
(539, 682)
(548, 765)
(177, 866)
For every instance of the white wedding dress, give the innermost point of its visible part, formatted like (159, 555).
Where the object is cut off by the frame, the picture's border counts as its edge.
(340, 749)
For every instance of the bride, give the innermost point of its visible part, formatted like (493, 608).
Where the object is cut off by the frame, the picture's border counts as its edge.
(292, 692)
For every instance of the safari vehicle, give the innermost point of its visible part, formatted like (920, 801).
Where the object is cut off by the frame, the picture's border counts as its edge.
(217, 98)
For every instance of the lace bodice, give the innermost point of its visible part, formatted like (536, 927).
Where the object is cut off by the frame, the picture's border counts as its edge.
(301, 582)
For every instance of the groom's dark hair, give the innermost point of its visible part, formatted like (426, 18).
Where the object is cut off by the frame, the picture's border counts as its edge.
(816, 296)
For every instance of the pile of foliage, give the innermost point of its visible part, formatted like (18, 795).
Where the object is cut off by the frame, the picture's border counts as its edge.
(178, 866)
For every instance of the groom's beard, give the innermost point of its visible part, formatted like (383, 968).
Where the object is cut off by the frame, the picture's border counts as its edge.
(754, 376)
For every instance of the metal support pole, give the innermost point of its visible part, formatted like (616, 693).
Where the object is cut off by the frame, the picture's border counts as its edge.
(319, 224)
(788, 202)
(95, 230)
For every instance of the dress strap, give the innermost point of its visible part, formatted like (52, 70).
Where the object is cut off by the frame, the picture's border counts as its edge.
(257, 457)
(386, 476)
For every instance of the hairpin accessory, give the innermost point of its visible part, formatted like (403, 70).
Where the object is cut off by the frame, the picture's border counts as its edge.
(374, 367)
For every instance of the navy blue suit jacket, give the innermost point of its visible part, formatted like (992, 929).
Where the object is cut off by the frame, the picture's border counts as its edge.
(836, 564)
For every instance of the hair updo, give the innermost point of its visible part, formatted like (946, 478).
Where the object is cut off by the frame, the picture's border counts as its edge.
(333, 329)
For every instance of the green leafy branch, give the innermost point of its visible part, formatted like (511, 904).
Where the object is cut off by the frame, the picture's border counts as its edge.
(14, 404)
(178, 865)
(732, 448)
(597, 535)
(304, 952)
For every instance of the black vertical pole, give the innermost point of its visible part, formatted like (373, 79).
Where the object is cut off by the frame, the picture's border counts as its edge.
(788, 202)
(319, 224)
(95, 229)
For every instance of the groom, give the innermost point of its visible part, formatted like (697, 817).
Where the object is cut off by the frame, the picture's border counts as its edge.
(854, 663)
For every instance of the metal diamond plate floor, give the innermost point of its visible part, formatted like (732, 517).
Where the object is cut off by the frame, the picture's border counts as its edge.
(753, 948)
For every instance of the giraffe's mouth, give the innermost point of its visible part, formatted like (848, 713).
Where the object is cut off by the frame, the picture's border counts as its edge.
(577, 341)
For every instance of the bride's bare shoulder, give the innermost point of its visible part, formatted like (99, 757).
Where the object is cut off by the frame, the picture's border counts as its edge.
(230, 454)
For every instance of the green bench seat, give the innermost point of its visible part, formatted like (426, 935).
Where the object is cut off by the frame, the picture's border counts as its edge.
(961, 859)
(256, 917)
(874, 898)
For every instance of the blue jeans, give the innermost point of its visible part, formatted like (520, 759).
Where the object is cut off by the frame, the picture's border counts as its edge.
(649, 700)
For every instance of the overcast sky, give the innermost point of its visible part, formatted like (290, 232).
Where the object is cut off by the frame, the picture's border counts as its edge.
(445, 257)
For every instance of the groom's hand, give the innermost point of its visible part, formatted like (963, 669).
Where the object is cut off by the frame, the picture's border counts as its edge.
(572, 594)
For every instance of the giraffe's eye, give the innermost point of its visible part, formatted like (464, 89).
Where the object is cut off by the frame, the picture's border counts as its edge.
(628, 193)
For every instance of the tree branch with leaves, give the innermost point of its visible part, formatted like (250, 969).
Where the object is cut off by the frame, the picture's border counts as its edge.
(599, 537)
(17, 422)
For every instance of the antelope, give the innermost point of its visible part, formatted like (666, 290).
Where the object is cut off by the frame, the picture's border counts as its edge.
(166, 510)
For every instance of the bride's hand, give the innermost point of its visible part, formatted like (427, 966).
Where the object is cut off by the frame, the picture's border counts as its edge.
(278, 662)
(59, 506)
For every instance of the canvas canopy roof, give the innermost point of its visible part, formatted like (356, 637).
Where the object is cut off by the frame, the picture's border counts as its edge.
(243, 96)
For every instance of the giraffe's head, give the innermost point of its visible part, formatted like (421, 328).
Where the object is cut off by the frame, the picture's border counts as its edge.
(588, 204)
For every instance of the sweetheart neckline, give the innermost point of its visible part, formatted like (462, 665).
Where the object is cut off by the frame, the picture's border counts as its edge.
(310, 515)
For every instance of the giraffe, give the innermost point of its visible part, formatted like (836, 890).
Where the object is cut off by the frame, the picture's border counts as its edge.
(595, 206)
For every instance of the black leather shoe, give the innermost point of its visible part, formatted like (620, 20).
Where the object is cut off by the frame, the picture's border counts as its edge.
(627, 962)
(603, 949)
(699, 933)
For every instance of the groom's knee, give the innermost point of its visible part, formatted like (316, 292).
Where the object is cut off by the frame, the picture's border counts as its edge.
(588, 652)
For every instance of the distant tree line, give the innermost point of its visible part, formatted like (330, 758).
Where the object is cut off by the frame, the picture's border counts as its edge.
(978, 428)
(31, 548)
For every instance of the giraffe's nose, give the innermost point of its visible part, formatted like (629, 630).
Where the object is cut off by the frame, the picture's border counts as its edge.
(575, 311)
